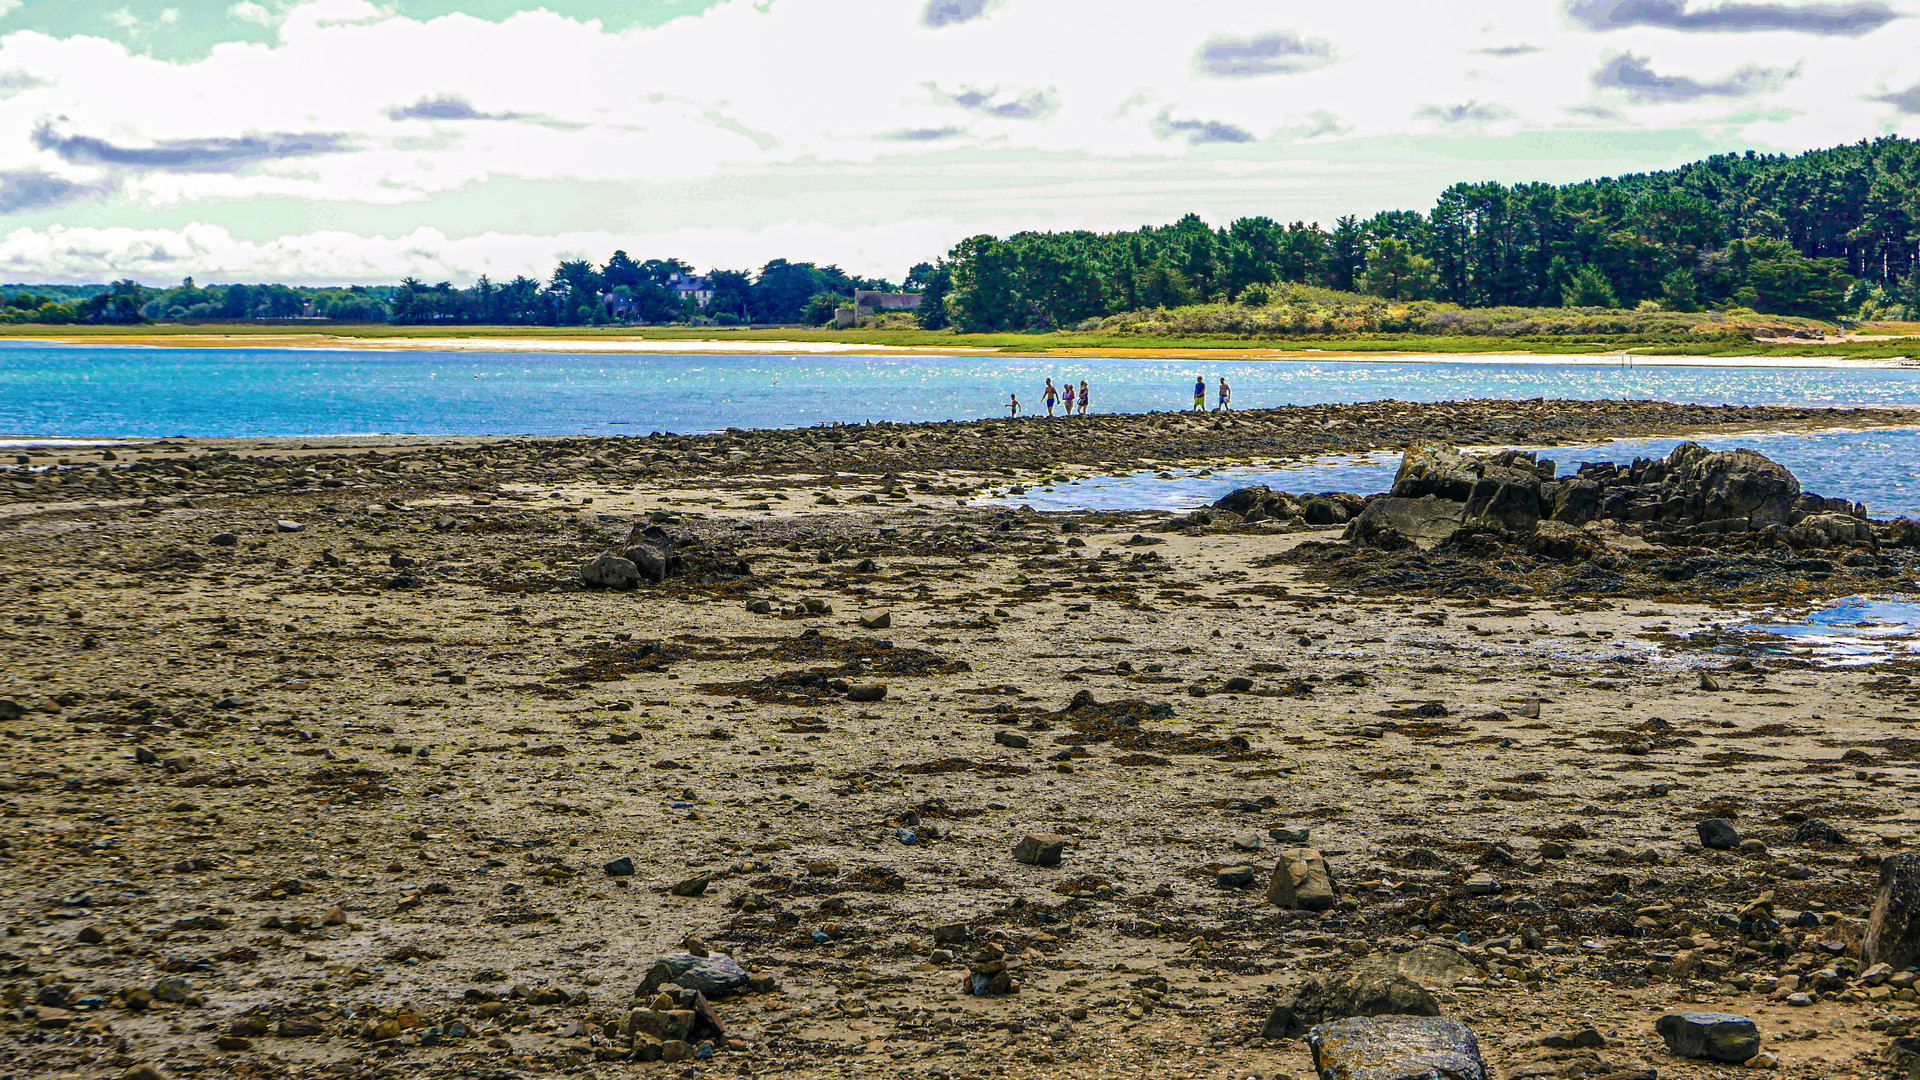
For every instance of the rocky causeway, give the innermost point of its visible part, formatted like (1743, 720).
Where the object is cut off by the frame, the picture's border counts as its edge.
(771, 752)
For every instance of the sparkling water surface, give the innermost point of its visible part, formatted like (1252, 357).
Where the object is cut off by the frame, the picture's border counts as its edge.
(1880, 468)
(92, 391)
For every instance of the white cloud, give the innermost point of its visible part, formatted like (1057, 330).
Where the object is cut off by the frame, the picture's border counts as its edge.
(950, 104)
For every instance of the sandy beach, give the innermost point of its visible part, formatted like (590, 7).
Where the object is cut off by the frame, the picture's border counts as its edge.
(323, 759)
(1643, 356)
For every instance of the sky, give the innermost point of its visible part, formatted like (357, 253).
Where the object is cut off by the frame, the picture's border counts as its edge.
(332, 141)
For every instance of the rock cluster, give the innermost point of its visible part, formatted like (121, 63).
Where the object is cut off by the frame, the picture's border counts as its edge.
(1693, 496)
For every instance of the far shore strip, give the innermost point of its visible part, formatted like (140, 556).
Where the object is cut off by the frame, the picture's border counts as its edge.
(708, 346)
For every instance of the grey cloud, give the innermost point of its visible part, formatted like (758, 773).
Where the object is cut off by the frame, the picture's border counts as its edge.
(1028, 105)
(1505, 52)
(921, 134)
(1634, 76)
(940, 13)
(1277, 52)
(1595, 112)
(1198, 132)
(1467, 112)
(1840, 20)
(32, 189)
(1319, 122)
(18, 81)
(444, 107)
(191, 155)
(1907, 101)
(455, 107)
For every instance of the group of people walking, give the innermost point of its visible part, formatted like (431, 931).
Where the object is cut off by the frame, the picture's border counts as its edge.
(1053, 397)
(1062, 396)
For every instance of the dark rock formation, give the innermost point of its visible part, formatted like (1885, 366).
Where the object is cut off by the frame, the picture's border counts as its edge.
(1692, 497)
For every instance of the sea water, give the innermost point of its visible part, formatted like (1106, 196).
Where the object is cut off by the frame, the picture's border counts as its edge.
(95, 391)
(1879, 467)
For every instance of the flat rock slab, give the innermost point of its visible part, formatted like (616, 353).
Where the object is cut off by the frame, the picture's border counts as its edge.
(1713, 1036)
(1396, 1048)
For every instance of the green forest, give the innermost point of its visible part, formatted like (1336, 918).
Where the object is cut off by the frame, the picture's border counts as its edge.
(1827, 235)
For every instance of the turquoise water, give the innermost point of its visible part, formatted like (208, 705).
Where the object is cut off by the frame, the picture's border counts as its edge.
(87, 391)
(1879, 468)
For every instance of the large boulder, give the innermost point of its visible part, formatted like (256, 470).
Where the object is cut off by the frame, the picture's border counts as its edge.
(711, 975)
(1396, 1048)
(1394, 522)
(1735, 484)
(1893, 927)
(1432, 966)
(609, 571)
(1712, 1036)
(1363, 992)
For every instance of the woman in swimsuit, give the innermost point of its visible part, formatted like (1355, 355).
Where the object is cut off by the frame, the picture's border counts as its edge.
(1083, 397)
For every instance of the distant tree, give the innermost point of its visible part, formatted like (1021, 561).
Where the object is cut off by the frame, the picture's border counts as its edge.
(1395, 271)
(820, 308)
(1589, 288)
(934, 282)
(576, 287)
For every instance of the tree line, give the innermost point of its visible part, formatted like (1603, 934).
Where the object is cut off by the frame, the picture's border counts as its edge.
(1825, 234)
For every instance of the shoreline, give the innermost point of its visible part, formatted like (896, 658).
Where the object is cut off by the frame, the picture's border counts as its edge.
(1882, 418)
(1625, 356)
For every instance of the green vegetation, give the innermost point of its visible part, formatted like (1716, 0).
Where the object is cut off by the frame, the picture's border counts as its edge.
(1305, 311)
(1825, 235)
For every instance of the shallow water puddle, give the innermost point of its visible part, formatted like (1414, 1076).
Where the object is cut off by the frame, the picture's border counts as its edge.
(1852, 631)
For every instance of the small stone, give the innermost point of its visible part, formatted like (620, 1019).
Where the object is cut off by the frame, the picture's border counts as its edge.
(290, 526)
(232, 1043)
(1248, 841)
(1239, 684)
(1012, 738)
(867, 692)
(1481, 885)
(1235, 877)
(1040, 849)
(143, 1071)
(1719, 834)
(223, 539)
(620, 867)
(90, 935)
(1301, 881)
(1582, 1039)
(693, 886)
(1712, 1036)
(759, 607)
(876, 620)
